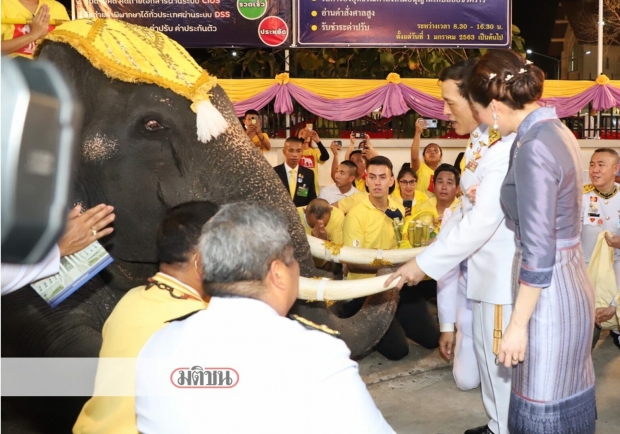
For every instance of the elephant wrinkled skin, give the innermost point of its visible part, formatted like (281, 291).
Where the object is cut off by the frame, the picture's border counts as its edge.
(139, 152)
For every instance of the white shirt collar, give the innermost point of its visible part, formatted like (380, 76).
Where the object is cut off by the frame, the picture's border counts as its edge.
(289, 168)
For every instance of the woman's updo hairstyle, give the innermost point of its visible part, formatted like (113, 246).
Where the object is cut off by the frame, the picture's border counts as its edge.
(505, 76)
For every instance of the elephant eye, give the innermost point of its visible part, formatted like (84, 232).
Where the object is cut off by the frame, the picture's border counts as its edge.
(152, 125)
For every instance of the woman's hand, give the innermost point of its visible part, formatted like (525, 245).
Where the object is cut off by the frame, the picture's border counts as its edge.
(603, 314)
(85, 228)
(40, 22)
(420, 125)
(514, 343)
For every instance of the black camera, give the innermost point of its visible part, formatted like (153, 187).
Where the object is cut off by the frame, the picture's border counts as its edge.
(40, 120)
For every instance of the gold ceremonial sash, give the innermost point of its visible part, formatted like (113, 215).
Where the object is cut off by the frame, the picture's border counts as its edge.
(497, 330)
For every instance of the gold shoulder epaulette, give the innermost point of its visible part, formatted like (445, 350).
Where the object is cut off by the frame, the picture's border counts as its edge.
(494, 136)
(588, 188)
(321, 328)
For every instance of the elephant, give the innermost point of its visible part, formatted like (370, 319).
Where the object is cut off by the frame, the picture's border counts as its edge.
(138, 151)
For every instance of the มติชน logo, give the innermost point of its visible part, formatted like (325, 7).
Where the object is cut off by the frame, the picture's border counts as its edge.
(199, 377)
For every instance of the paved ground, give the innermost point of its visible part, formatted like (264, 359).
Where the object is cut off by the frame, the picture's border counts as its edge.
(417, 395)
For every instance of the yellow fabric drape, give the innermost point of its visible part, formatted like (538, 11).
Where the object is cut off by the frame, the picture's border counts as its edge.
(429, 86)
(601, 271)
(335, 88)
(239, 89)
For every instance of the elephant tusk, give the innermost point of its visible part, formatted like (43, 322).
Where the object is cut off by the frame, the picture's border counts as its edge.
(335, 290)
(328, 251)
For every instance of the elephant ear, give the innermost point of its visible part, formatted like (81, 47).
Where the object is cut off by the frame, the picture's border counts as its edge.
(73, 67)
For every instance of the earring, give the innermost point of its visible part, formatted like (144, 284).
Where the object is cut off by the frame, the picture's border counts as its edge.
(495, 118)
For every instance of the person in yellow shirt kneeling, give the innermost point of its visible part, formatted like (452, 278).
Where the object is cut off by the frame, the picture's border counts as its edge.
(175, 291)
(323, 221)
(431, 211)
(370, 224)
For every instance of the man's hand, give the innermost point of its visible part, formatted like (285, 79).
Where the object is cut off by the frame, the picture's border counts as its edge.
(514, 343)
(420, 125)
(613, 240)
(40, 23)
(251, 130)
(334, 148)
(319, 230)
(86, 228)
(471, 193)
(446, 345)
(352, 139)
(369, 151)
(602, 314)
(411, 274)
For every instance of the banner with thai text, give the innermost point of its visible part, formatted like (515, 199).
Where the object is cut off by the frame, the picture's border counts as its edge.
(404, 23)
(201, 23)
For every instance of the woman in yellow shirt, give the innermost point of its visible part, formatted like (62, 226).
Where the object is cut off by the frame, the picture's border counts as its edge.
(24, 22)
(312, 157)
(407, 193)
(432, 158)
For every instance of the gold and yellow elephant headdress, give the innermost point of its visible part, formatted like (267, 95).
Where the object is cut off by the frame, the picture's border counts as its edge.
(138, 54)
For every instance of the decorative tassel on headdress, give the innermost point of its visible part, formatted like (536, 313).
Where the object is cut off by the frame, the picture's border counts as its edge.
(209, 121)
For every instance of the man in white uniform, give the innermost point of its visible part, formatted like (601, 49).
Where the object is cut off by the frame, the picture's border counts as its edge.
(482, 238)
(601, 212)
(275, 375)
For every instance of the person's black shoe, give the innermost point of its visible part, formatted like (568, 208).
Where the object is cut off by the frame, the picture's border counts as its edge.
(616, 338)
(479, 430)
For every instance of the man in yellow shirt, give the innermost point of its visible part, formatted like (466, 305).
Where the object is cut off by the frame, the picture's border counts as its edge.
(360, 161)
(175, 291)
(432, 157)
(252, 124)
(24, 22)
(370, 225)
(446, 181)
(323, 221)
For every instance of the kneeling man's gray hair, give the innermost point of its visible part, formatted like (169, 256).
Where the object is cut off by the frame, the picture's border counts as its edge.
(238, 245)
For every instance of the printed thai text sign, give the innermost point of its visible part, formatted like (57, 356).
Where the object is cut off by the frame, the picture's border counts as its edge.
(201, 23)
(406, 23)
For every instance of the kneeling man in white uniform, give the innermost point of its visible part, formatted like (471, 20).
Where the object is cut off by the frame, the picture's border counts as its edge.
(241, 365)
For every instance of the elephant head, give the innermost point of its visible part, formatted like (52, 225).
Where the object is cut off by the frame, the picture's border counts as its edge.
(139, 151)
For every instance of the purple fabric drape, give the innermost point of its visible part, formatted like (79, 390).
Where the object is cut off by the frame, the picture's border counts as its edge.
(351, 108)
(602, 98)
(422, 103)
(257, 102)
(397, 99)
